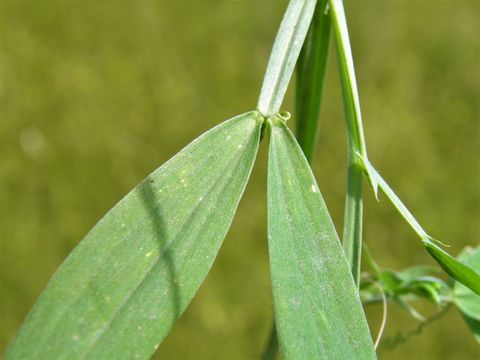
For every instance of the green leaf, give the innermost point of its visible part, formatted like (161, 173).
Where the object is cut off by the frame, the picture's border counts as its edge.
(452, 266)
(417, 271)
(317, 308)
(120, 291)
(311, 69)
(356, 140)
(418, 280)
(390, 281)
(407, 285)
(474, 325)
(464, 298)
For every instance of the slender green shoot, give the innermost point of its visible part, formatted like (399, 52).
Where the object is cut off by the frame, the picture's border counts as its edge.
(353, 219)
(352, 228)
(358, 163)
(347, 76)
(452, 266)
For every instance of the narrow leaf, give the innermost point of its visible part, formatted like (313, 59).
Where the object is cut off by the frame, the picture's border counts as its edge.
(474, 326)
(418, 271)
(317, 308)
(358, 156)
(452, 266)
(458, 271)
(311, 69)
(467, 301)
(120, 291)
(464, 298)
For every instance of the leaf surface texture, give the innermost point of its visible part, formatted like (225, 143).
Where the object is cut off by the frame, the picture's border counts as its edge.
(121, 290)
(317, 308)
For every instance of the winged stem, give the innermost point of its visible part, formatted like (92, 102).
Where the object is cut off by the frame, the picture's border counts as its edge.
(352, 229)
(284, 55)
(358, 163)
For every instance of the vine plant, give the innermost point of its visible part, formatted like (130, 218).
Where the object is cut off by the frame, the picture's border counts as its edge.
(123, 287)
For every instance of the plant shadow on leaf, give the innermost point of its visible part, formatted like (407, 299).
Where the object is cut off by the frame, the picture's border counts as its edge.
(147, 193)
(123, 287)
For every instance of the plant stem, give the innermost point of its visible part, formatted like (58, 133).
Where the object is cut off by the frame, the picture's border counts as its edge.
(352, 230)
(353, 221)
(285, 51)
(358, 163)
(311, 68)
(353, 113)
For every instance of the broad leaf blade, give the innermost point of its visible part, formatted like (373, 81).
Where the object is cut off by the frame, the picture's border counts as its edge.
(464, 298)
(120, 291)
(317, 308)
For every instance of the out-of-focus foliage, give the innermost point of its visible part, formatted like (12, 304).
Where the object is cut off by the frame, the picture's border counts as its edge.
(410, 284)
(90, 89)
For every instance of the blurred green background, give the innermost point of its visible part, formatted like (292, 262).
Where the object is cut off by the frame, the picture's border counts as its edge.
(97, 94)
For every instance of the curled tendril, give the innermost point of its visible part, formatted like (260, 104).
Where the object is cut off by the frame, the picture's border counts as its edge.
(284, 115)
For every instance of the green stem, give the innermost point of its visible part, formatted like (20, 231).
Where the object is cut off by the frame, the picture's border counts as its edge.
(284, 55)
(352, 228)
(348, 79)
(358, 160)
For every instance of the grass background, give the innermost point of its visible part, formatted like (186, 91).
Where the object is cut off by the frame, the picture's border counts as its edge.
(97, 94)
